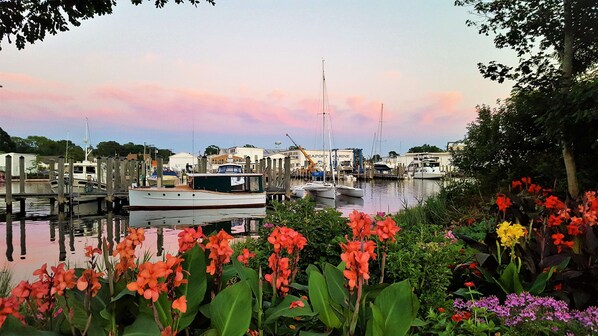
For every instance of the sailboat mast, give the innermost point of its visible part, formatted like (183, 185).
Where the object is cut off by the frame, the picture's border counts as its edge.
(86, 140)
(323, 121)
(380, 131)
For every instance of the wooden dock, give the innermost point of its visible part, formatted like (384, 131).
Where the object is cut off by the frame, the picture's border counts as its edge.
(127, 173)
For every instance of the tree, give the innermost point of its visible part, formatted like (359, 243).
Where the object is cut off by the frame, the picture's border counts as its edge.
(393, 154)
(28, 21)
(109, 149)
(6, 143)
(293, 148)
(556, 42)
(248, 146)
(212, 150)
(425, 148)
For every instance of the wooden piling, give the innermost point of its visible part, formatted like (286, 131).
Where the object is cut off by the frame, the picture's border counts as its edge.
(247, 164)
(116, 175)
(8, 176)
(269, 173)
(60, 198)
(22, 184)
(287, 177)
(160, 172)
(280, 176)
(273, 175)
(109, 185)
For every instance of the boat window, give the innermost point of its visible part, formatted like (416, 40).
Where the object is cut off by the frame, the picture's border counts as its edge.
(77, 170)
(90, 170)
(254, 184)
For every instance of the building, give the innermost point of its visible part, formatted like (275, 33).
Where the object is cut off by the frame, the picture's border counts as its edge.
(30, 163)
(181, 161)
(320, 158)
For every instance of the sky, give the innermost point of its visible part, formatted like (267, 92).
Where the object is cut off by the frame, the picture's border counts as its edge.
(249, 72)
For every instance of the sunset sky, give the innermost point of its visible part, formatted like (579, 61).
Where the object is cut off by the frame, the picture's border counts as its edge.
(247, 72)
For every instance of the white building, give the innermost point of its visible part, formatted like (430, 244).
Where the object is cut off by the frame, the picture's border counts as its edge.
(444, 158)
(30, 163)
(254, 154)
(178, 162)
(320, 157)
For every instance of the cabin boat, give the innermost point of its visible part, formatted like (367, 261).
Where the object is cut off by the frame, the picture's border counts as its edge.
(203, 191)
(85, 179)
(349, 191)
(424, 167)
(169, 178)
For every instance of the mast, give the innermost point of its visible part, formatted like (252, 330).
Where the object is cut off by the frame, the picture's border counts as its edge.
(86, 139)
(380, 130)
(323, 121)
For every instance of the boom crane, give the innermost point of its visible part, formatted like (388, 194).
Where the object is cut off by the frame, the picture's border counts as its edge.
(311, 167)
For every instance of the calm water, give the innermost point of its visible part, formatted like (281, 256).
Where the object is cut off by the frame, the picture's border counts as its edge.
(28, 243)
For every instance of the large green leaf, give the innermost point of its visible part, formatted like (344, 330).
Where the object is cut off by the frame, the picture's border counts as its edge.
(283, 309)
(195, 288)
(144, 325)
(231, 310)
(249, 275)
(398, 306)
(335, 280)
(318, 294)
(13, 327)
(80, 317)
(375, 324)
(509, 280)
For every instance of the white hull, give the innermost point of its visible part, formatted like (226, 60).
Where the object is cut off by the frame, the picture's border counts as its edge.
(144, 218)
(183, 197)
(428, 175)
(349, 191)
(320, 189)
(79, 186)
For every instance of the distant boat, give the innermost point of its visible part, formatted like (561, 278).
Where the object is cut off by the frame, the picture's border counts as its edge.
(425, 166)
(349, 191)
(203, 191)
(169, 178)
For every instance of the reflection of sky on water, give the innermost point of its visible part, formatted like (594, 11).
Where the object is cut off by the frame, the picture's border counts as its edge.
(28, 243)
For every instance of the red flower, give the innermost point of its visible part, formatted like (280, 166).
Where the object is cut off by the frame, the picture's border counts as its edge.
(245, 256)
(457, 318)
(469, 284)
(534, 188)
(296, 304)
(441, 310)
(552, 202)
(361, 224)
(387, 229)
(90, 251)
(503, 202)
(180, 304)
(515, 185)
(526, 180)
(558, 287)
(189, 238)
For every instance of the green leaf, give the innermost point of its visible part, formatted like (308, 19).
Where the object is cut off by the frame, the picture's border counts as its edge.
(231, 310)
(540, 283)
(163, 306)
(509, 280)
(335, 280)
(195, 288)
(398, 306)
(13, 327)
(143, 326)
(210, 332)
(375, 325)
(283, 309)
(122, 293)
(318, 294)
(249, 275)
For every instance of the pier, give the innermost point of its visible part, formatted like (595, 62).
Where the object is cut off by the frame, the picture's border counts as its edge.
(125, 174)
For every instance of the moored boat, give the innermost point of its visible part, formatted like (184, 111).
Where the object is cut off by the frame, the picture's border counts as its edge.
(425, 167)
(145, 218)
(349, 191)
(203, 191)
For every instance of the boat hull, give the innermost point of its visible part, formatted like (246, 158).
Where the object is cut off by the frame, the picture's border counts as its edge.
(320, 189)
(349, 191)
(187, 198)
(145, 218)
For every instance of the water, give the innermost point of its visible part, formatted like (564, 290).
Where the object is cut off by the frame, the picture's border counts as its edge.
(40, 238)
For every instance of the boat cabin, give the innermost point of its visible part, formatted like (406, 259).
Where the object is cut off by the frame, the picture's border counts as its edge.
(227, 182)
(230, 168)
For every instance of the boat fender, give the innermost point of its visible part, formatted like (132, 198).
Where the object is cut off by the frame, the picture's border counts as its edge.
(88, 188)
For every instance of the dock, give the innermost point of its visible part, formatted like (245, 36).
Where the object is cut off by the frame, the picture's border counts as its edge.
(127, 174)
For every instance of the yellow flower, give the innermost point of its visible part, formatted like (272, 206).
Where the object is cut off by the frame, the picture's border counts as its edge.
(509, 234)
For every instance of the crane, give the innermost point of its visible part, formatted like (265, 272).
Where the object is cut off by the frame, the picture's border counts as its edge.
(311, 167)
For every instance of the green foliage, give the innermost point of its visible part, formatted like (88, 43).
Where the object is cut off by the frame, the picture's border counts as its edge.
(5, 280)
(212, 150)
(230, 311)
(323, 229)
(6, 143)
(422, 255)
(425, 148)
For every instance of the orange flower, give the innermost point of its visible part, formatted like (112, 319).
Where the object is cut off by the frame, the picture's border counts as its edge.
(188, 238)
(245, 256)
(22, 291)
(281, 273)
(180, 304)
(356, 258)
(469, 284)
(574, 227)
(534, 188)
(554, 221)
(63, 279)
(9, 306)
(220, 252)
(167, 332)
(558, 238)
(387, 229)
(296, 304)
(441, 310)
(147, 283)
(90, 251)
(88, 277)
(361, 224)
(503, 202)
(515, 185)
(526, 180)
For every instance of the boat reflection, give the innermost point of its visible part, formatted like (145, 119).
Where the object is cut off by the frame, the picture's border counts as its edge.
(191, 217)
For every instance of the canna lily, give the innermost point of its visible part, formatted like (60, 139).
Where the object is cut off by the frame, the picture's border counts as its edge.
(387, 230)
(180, 304)
(90, 251)
(361, 224)
(188, 238)
(296, 304)
(503, 202)
(89, 281)
(245, 256)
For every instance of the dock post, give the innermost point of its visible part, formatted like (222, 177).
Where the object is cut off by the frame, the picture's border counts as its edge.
(109, 185)
(60, 177)
(124, 169)
(116, 176)
(22, 184)
(247, 164)
(273, 175)
(99, 173)
(280, 176)
(160, 172)
(287, 177)
(9, 245)
(8, 176)
(269, 172)
(71, 185)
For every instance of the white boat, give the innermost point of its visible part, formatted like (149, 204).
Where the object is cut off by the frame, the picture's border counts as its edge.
(425, 166)
(85, 175)
(169, 178)
(203, 191)
(173, 218)
(349, 191)
(320, 189)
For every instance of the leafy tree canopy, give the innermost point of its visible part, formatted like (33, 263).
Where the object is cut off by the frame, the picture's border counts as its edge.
(6, 143)
(425, 148)
(534, 30)
(212, 150)
(393, 154)
(29, 21)
(249, 146)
